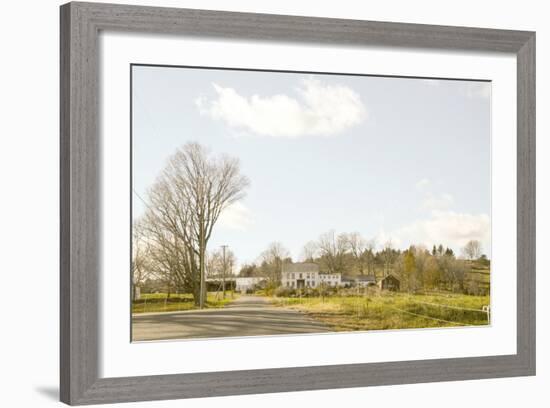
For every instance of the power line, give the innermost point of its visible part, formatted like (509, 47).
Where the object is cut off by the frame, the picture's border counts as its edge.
(427, 317)
(447, 306)
(141, 199)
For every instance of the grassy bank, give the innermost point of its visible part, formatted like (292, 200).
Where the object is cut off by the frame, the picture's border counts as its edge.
(392, 311)
(160, 302)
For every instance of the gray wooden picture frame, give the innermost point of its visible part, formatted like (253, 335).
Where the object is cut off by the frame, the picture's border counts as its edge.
(80, 194)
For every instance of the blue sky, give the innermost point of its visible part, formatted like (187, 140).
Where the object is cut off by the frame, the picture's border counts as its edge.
(391, 158)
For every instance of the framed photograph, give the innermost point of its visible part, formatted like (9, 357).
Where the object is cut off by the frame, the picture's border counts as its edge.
(291, 203)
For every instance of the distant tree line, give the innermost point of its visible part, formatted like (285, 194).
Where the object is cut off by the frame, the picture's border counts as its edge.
(349, 254)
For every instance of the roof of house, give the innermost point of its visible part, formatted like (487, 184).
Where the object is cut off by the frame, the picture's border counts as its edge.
(300, 267)
(250, 278)
(366, 278)
(390, 276)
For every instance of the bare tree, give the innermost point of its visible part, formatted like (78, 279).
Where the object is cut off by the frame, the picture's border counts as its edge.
(272, 260)
(333, 249)
(248, 270)
(140, 268)
(369, 255)
(310, 251)
(219, 265)
(472, 250)
(388, 255)
(452, 272)
(184, 205)
(357, 246)
(457, 272)
(408, 273)
(172, 254)
(421, 255)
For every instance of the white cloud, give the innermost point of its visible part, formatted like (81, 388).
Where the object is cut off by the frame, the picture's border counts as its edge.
(448, 228)
(430, 200)
(236, 217)
(440, 225)
(319, 109)
(437, 202)
(422, 184)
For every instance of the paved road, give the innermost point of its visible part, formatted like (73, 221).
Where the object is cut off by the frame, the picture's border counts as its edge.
(246, 316)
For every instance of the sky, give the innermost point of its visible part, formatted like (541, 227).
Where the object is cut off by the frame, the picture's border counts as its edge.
(400, 159)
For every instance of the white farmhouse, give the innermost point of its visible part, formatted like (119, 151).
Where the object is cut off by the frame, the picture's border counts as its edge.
(307, 275)
(331, 279)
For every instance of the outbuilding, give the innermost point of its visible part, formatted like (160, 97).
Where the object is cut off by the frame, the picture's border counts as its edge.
(389, 282)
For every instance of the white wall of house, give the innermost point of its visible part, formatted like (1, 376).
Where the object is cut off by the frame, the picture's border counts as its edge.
(311, 279)
(290, 279)
(331, 279)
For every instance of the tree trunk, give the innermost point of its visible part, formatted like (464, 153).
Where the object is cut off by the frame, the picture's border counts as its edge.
(197, 295)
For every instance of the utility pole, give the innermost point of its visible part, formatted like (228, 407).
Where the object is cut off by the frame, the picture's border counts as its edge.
(224, 268)
(201, 266)
(202, 243)
(233, 282)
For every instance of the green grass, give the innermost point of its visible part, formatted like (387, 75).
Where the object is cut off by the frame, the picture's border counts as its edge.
(158, 302)
(480, 275)
(392, 311)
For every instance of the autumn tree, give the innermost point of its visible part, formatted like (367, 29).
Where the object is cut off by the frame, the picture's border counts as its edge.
(432, 273)
(409, 269)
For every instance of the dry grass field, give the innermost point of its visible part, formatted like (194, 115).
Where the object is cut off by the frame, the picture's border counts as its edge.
(161, 302)
(384, 311)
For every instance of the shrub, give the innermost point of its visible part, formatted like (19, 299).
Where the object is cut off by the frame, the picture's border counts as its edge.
(282, 291)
